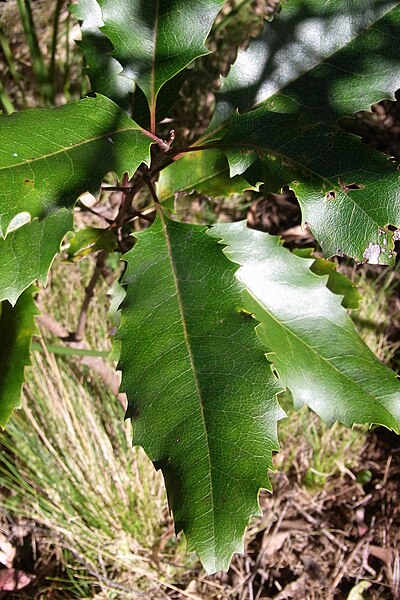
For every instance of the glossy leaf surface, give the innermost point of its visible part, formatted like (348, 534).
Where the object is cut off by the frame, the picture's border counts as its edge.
(312, 342)
(347, 191)
(17, 325)
(106, 74)
(314, 63)
(201, 394)
(70, 150)
(47, 159)
(155, 39)
(320, 59)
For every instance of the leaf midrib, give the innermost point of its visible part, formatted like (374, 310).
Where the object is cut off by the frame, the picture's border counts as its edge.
(66, 149)
(319, 356)
(153, 64)
(191, 360)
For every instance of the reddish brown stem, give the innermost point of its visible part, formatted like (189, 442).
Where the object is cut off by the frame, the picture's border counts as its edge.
(152, 190)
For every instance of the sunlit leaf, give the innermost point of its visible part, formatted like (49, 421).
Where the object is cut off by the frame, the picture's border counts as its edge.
(348, 192)
(320, 59)
(155, 40)
(312, 342)
(28, 252)
(70, 150)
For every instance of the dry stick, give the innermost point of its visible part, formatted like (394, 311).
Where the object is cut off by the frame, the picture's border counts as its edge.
(93, 212)
(78, 335)
(319, 525)
(349, 560)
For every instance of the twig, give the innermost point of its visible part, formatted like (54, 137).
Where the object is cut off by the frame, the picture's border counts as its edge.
(152, 190)
(128, 193)
(319, 525)
(93, 212)
(78, 335)
(348, 561)
(136, 213)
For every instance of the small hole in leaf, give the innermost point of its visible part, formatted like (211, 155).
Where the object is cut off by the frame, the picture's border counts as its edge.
(346, 187)
(330, 195)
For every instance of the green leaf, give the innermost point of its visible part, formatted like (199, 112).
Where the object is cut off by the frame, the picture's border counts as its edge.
(17, 326)
(70, 149)
(347, 191)
(106, 74)
(47, 159)
(103, 70)
(28, 252)
(320, 59)
(90, 239)
(155, 40)
(203, 172)
(201, 394)
(312, 341)
(337, 282)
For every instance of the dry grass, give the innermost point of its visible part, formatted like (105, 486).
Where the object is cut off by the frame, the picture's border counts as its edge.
(69, 474)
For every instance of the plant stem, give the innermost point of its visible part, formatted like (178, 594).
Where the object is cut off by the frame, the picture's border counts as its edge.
(38, 65)
(93, 212)
(153, 192)
(6, 101)
(52, 68)
(211, 146)
(68, 351)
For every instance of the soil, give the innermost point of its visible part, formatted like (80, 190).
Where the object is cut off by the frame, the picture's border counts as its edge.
(320, 545)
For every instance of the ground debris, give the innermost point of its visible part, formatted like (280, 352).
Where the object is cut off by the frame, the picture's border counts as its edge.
(321, 544)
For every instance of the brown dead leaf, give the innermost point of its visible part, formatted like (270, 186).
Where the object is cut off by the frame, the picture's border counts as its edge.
(273, 542)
